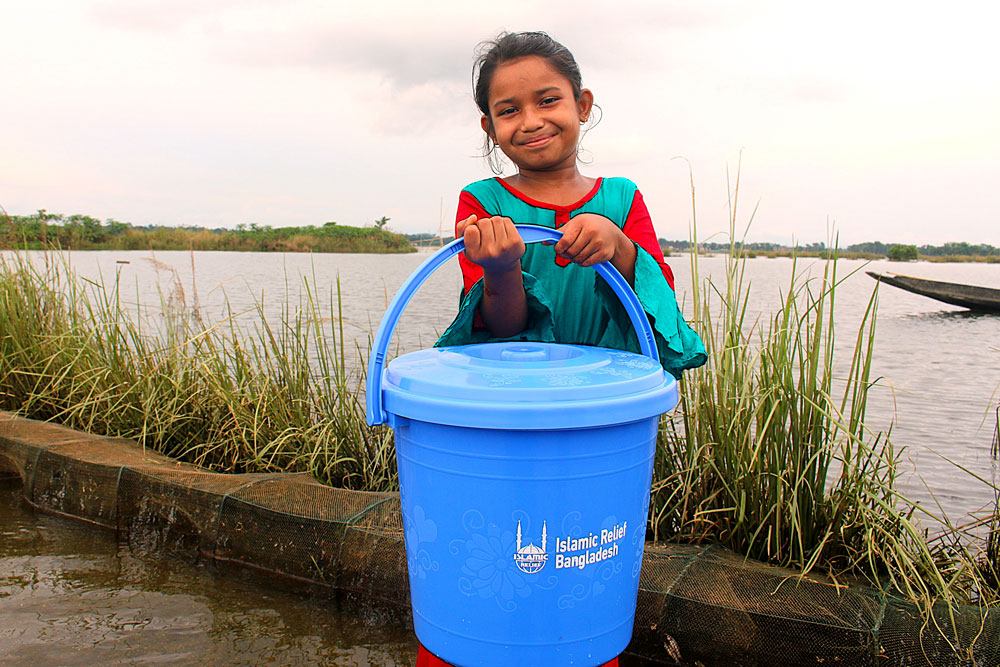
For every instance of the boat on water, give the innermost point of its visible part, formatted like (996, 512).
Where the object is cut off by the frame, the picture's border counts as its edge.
(973, 297)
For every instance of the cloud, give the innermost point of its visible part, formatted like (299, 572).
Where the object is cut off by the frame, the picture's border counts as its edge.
(159, 16)
(418, 108)
(397, 41)
(412, 61)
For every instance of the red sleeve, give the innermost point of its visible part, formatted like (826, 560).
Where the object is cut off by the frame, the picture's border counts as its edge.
(469, 205)
(639, 228)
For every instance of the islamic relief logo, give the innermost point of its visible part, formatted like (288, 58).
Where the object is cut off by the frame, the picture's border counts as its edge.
(529, 558)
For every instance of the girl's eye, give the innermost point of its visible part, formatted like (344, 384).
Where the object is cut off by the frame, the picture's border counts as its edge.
(550, 100)
(507, 111)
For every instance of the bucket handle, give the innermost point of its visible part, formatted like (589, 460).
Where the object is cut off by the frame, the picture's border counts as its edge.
(529, 234)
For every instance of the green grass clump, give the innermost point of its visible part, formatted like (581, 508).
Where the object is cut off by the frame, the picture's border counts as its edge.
(768, 453)
(992, 560)
(275, 397)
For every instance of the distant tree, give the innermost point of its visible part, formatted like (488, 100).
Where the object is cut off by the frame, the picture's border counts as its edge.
(902, 253)
(381, 222)
(872, 247)
(116, 228)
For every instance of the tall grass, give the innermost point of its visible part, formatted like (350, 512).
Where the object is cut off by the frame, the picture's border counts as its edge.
(270, 397)
(992, 560)
(769, 454)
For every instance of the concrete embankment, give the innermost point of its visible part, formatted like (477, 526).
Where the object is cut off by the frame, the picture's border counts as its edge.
(697, 604)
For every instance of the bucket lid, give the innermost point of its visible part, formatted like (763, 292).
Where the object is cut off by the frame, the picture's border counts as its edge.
(527, 386)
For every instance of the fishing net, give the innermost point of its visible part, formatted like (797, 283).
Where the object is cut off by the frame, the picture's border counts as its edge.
(698, 605)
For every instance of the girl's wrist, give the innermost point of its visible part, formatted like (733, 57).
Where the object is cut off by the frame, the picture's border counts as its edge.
(503, 279)
(625, 258)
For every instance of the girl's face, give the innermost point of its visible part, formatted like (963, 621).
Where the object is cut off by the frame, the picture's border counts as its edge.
(534, 117)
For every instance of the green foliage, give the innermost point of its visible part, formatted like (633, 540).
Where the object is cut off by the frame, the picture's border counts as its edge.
(871, 247)
(962, 249)
(902, 253)
(270, 398)
(769, 454)
(992, 565)
(952, 252)
(80, 232)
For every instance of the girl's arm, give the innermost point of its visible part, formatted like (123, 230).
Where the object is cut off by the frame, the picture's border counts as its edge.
(494, 244)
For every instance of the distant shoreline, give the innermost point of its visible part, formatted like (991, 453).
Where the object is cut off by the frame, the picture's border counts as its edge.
(844, 254)
(80, 232)
(44, 230)
(873, 250)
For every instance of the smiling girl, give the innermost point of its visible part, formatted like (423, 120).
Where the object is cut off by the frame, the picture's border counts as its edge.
(533, 105)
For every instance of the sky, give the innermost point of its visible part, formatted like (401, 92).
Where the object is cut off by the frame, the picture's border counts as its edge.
(869, 120)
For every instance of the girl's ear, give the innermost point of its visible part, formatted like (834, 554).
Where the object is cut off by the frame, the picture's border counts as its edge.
(585, 104)
(487, 127)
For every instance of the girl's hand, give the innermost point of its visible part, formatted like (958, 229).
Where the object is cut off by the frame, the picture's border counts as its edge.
(589, 238)
(492, 243)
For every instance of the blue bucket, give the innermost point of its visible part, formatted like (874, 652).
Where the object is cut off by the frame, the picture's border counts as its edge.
(524, 473)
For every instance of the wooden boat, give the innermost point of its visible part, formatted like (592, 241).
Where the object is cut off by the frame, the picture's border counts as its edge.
(984, 299)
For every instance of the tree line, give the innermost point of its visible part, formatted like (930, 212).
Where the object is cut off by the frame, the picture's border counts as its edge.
(83, 232)
(868, 249)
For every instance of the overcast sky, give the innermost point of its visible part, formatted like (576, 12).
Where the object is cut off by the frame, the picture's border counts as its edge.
(878, 119)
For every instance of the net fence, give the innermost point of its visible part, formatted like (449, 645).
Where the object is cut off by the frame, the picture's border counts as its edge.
(698, 605)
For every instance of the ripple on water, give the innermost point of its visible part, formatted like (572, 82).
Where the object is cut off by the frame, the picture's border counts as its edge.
(71, 595)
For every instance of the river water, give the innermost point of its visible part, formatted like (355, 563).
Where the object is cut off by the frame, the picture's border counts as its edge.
(70, 594)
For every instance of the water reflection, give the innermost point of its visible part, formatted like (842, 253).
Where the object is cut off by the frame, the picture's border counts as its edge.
(71, 595)
(953, 316)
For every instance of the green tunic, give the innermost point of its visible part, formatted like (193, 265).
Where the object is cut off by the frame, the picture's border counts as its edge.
(572, 304)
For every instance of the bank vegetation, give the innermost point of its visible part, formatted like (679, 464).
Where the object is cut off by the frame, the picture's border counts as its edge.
(82, 232)
(768, 454)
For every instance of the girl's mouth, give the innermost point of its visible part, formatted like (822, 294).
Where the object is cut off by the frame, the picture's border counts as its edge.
(538, 142)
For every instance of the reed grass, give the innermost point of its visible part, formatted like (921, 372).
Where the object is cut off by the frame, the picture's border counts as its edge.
(992, 559)
(769, 455)
(270, 397)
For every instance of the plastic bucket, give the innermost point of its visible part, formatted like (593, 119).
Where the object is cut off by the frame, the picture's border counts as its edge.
(524, 474)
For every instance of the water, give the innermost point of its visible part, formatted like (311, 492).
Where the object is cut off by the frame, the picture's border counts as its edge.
(70, 594)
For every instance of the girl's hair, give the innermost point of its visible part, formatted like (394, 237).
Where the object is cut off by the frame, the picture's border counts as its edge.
(511, 46)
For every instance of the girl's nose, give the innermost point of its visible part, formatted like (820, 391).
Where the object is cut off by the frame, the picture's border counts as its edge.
(530, 120)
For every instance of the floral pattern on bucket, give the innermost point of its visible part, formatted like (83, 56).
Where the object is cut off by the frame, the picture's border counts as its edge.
(419, 530)
(491, 568)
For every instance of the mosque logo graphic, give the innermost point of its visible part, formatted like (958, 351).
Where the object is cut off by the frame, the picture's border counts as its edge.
(529, 558)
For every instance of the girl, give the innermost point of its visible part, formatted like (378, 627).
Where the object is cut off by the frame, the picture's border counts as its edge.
(533, 105)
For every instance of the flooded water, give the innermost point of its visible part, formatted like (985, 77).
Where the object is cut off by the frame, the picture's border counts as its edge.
(70, 594)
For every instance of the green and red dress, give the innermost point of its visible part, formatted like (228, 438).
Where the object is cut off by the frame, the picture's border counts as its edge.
(568, 303)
